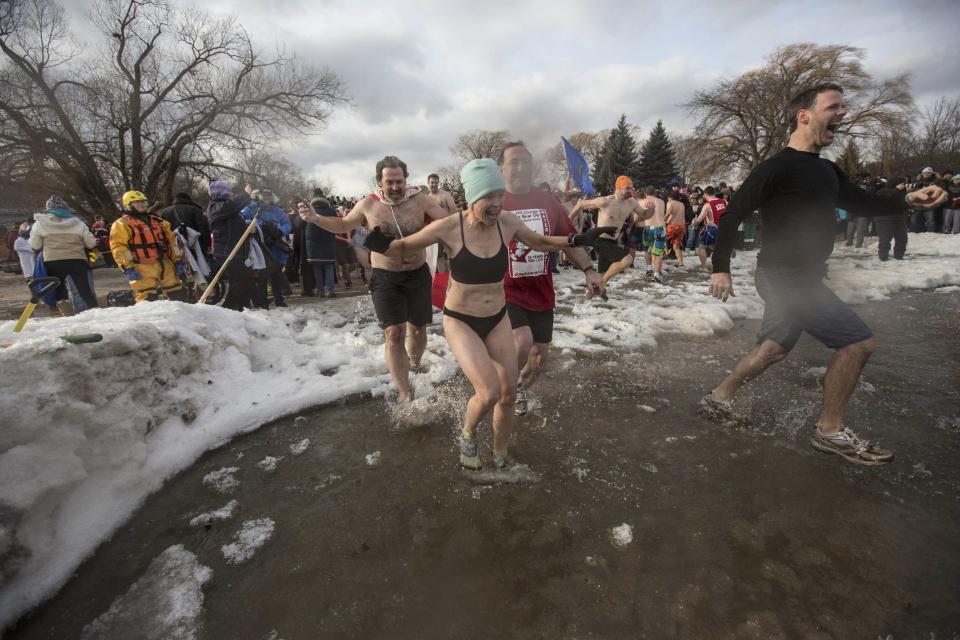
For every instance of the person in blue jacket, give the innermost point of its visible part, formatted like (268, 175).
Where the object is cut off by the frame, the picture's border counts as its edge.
(275, 229)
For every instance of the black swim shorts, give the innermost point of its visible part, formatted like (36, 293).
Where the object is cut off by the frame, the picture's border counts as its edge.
(540, 322)
(608, 253)
(402, 296)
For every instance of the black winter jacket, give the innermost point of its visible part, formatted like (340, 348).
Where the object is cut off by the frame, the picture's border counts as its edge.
(321, 244)
(226, 227)
(186, 211)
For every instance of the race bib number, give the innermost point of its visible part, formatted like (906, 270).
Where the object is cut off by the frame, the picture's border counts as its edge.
(524, 261)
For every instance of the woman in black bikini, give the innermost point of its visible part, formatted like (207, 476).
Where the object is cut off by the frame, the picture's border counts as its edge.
(475, 323)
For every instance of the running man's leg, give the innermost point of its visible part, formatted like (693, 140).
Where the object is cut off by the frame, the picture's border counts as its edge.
(779, 333)
(843, 374)
(398, 362)
(756, 362)
(416, 344)
(523, 342)
(616, 268)
(532, 334)
(531, 356)
(420, 313)
(536, 360)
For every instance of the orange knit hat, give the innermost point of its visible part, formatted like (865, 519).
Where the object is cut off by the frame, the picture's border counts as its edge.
(623, 181)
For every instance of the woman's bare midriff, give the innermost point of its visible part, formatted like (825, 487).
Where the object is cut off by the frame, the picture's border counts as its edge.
(478, 300)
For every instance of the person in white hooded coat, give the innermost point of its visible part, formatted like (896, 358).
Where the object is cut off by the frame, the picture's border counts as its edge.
(64, 239)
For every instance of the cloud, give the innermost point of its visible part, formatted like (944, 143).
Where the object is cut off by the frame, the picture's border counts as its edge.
(422, 72)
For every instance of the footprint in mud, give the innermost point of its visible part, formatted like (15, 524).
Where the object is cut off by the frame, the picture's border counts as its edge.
(517, 474)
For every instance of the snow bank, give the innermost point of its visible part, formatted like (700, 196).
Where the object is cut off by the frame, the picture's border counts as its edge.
(90, 430)
(166, 603)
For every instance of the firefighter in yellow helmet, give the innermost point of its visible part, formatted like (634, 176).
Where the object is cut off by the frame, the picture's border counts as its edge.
(145, 249)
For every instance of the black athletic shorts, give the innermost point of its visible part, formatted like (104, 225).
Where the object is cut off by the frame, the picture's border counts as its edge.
(608, 253)
(797, 301)
(402, 296)
(540, 322)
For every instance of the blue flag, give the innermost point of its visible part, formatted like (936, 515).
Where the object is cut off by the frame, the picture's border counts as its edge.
(578, 169)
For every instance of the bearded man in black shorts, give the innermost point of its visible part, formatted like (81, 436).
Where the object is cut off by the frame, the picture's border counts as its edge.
(400, 286)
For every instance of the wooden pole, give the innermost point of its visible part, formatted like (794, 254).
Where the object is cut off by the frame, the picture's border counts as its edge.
(226, 262)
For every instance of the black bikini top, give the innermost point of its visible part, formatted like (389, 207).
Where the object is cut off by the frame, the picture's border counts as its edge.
(467, 268)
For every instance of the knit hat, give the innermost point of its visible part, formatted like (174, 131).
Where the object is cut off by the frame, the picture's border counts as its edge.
(623, 181)
(481, 177)
(220, 190)
(927, 170)
(56, 202)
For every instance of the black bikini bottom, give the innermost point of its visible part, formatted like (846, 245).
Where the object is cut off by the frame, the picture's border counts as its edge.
(481, 326)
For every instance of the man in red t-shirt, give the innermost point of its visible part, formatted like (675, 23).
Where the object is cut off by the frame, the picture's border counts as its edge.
(528, 285)
(713, 209)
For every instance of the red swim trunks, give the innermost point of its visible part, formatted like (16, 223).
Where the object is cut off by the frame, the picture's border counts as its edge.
(676, 234)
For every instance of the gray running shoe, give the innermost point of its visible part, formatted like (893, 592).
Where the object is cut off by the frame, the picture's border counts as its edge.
(849, 445)
(469, 453)
(712, 408)
(520, 404)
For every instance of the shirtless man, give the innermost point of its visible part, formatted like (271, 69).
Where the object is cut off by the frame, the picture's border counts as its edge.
(676, 225)
(436, 257)
(654, 234)
(400, 285)
(443, 198)
(613, 212)
(710, 214)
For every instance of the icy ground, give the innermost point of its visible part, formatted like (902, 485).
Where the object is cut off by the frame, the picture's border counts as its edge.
(90, 430)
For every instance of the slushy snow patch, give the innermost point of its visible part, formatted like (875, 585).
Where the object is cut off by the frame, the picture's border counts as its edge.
(253, 534)
(622, 535)
(222, 480)
(223, 513)
(269, 463)
(639, 313)
(373, 459)
(298, 448)
(166, 603)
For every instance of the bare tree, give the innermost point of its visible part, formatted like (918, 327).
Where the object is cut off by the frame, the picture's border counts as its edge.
(940, 132)
(743, 121)
(167, 91)
(480, 144)
(694, 166)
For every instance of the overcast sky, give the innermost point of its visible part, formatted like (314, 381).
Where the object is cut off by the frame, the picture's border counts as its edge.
(422, 72)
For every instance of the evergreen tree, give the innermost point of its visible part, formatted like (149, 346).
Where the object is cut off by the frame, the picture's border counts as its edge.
(658, 162)
(619, 157)
(849, 160)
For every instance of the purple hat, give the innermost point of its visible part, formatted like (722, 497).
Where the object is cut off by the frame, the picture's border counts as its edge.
(220, 190)
(56, 202)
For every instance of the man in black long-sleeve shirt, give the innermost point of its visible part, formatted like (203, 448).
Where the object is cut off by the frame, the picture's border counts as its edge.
(797, 194)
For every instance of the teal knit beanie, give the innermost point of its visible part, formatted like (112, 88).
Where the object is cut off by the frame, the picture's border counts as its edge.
(481, 177)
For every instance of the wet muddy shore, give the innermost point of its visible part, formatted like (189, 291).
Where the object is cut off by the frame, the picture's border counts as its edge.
(746, 533)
